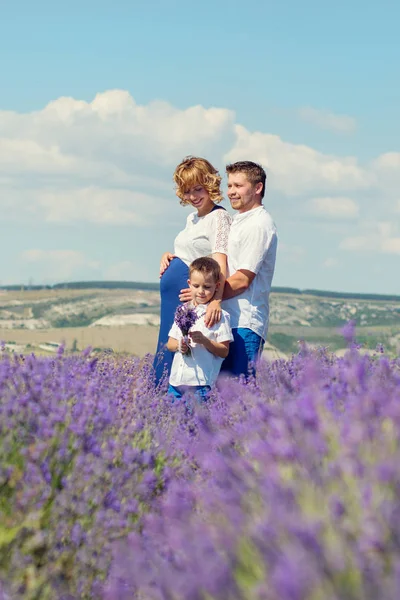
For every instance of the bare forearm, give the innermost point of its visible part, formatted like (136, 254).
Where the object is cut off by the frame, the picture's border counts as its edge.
(172, 345)
(219, 292)
(235, 285)
(238, 283)
(222, 261)
(216, 348)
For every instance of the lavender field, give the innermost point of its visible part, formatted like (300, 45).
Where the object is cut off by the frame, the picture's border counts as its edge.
(284, 488)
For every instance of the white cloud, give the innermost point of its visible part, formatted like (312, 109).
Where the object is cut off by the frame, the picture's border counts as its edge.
(387, 170)
(382, 237)
(325, 119)
(128, 270)
(330, 263)
(339, 207)
(110, 161)
(96, 205)
(391, 245)
(58, 264)
(359, 243)
(121, 271)
(27, 155)
(389, 160)
(291, 253)
(68, 204)
(296, 169)
(110, 132)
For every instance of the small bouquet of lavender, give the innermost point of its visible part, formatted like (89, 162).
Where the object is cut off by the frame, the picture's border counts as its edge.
(185, 317)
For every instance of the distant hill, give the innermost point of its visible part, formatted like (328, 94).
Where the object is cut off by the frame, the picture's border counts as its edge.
(86, 285)
(137, 285)
(114, 307)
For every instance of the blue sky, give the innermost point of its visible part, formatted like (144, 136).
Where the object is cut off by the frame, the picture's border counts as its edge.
(99, 101)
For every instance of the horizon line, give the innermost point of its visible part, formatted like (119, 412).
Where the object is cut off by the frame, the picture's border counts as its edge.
(153, 286)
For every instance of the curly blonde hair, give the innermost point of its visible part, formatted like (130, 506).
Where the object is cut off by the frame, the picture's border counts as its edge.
(197, 171)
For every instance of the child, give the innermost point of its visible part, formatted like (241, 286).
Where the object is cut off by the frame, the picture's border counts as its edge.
(196, 369)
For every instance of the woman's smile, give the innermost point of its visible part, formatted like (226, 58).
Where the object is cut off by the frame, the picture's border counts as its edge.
(200, 200)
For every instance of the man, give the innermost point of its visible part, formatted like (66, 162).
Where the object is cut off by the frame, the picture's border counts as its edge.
(252, 245)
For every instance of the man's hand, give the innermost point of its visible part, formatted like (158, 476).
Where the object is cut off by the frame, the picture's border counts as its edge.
(185, 295)
(165, 260)
(213, 313)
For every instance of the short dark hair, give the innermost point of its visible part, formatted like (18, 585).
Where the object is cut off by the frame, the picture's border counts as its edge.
(206, 265)
(254, 172)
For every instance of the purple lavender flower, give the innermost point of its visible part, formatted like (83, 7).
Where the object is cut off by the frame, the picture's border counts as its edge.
(286, 488)
(348, 331)
(185, 318)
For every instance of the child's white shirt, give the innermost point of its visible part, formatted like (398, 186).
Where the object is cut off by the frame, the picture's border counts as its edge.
(202, 367)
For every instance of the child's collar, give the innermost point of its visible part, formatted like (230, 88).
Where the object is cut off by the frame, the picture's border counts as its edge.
(200, 307)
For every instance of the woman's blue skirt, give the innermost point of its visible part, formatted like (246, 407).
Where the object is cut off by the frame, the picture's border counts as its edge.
(173, 280)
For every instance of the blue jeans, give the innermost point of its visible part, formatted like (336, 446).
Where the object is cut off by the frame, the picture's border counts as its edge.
(244, 352)
(201, 392)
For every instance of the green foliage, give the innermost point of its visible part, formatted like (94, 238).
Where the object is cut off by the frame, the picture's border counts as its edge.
(75, 320)
(284, 343)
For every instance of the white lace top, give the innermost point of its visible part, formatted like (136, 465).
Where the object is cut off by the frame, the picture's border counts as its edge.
(203, 236)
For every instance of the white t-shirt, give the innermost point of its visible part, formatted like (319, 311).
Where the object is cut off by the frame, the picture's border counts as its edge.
(252, 246)
(203, 236)
(202, 367)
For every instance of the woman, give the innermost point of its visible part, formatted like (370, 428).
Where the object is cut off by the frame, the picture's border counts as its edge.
(206, 234)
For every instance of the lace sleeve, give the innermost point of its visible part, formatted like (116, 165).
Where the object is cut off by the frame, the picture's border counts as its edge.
(222, 224)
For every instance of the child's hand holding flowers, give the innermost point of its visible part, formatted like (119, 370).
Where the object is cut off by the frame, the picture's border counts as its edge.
(185, 318)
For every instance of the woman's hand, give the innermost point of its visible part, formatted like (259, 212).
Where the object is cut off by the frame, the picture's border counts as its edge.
(213, 313)
(165, 260)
